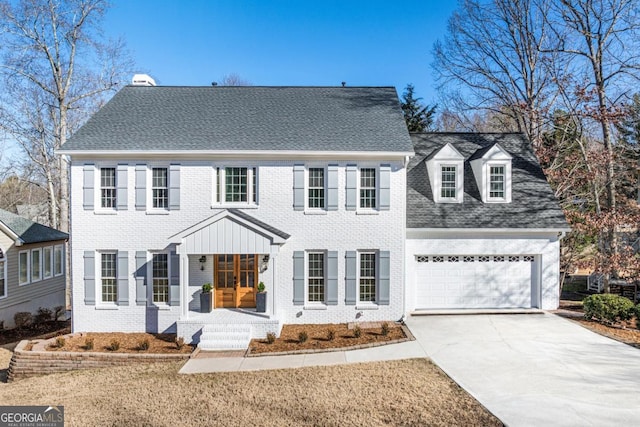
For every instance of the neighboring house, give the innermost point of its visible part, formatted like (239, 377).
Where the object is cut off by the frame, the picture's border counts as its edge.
(32, 267)
(304, 189)
(483, 226)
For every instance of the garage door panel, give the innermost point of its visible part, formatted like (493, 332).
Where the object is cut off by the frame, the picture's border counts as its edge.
(477, 281)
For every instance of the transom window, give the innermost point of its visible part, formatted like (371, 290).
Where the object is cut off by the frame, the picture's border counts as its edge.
(316, 277)
(496, 182)
(160, 274)
(108, 187)
(316, 188)
(367, 277)
(160, 188)
(367, 188)
(448, 186)
(108, 274)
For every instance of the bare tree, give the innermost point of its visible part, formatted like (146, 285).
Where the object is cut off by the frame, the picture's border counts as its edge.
(492, 49)
(234, 79)
(56, 70)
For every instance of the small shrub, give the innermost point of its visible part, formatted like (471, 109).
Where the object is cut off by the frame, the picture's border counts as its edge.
(302, 337)
(271, 337)
(143, 345)
(331, 334)
(60, 342)
(607, 308)
(384, 329)
(22, 319)
(114, 345)
(88, 344)
(357, 332)
(179, 343)
(57, 311)
(43, 315)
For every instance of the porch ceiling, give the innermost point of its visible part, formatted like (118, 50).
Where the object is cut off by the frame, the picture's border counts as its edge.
(229, 231)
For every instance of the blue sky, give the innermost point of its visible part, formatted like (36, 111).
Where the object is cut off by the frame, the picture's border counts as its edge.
(196, 42)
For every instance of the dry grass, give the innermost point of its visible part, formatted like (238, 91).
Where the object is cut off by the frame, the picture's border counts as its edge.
(318, 337)
(410, 392)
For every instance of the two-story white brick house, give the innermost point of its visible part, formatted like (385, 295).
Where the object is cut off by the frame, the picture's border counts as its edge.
(301, 188)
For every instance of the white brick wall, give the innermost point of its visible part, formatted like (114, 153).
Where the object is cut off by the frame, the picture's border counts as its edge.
(545, 245)
(133, 230)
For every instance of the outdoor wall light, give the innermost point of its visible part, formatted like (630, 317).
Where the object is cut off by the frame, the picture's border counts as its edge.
(264, 264)
(202, 260)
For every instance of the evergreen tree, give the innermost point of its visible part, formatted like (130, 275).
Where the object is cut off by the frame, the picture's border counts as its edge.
(419, 117)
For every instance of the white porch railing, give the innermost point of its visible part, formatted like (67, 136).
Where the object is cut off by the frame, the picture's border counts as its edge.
(595, 282)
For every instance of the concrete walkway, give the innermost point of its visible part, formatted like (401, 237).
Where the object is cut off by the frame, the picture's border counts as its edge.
(404, 350)
(538, 369)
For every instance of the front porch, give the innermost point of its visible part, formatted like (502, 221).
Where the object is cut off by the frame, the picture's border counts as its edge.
(224, 323)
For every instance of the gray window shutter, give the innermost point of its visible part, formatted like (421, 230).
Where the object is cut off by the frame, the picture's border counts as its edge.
(298, 277)
(350, 280)
(332, 278)
(332, 188)
(352, 192)
(89, 278)
(123, 278)
(385, 187)
(141, 187)
(122, 182)
(88, 184)
(174, 187)
(298, 187)
(383, 281)
(174, 280)
(141, 277)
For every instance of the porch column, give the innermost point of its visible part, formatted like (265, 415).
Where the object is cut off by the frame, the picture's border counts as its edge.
(184, 284)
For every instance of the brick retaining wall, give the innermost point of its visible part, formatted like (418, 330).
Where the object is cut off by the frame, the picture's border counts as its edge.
(28, 363)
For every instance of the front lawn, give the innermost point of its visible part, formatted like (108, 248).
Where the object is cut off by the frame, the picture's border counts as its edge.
(409, 392)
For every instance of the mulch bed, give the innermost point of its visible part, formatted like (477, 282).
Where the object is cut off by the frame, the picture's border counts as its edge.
(42, 330)
(318, 339)
(128, 343)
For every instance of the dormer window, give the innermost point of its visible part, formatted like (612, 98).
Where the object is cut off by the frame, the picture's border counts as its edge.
(492, 170)
(445, 168)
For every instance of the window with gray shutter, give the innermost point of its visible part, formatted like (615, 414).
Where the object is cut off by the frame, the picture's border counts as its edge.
(298, 277)
(88, 185)
(385, 187)
(141, 277)
(89, 278)
(122, 181)
(332, 278)
(141, 187)
(350, 278)
(332, 188)
(174, 187)
(298, 187)
(123, 278)
(174, 284)
(351, 190)
(385, 276)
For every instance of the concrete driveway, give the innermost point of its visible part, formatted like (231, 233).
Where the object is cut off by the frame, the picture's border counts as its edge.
(536, 369)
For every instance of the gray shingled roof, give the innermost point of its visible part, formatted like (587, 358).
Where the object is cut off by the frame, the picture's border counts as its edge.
(247, 118)
(259, 223)
(533, 203)
(29, 231)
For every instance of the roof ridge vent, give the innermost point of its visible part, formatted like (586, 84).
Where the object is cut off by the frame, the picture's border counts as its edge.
(142, 80)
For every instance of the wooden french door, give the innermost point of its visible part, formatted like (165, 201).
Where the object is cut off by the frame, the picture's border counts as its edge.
(236, 277)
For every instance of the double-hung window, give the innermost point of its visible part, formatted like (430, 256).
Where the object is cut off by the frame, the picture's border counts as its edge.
(236, 185)
(23, 267)
(316, 277)
(367, 277)
(36, 265)
(108, 188)
(160, 277)
(497, 182)
(448, 182)
(316, 198)
(160, 188)
(108, 276)
(47, 262)
(368, 188)
(58, 267)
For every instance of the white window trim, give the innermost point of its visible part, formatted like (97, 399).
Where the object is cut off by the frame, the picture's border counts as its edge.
(44, 257)
(98, 192)
(376, 208)
(150, 208)
(3, 261)
(507, 182)
(368, 305)
(151, 302)
(456, 182)
(308, 209)
(314, 305)
(219, 175)
(98, 269)
(61, 248)
(28, 267)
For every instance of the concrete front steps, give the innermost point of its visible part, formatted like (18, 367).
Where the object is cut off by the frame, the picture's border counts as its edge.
(225, 336)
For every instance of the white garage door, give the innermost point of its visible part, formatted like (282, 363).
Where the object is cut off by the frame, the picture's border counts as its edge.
(473, 281)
